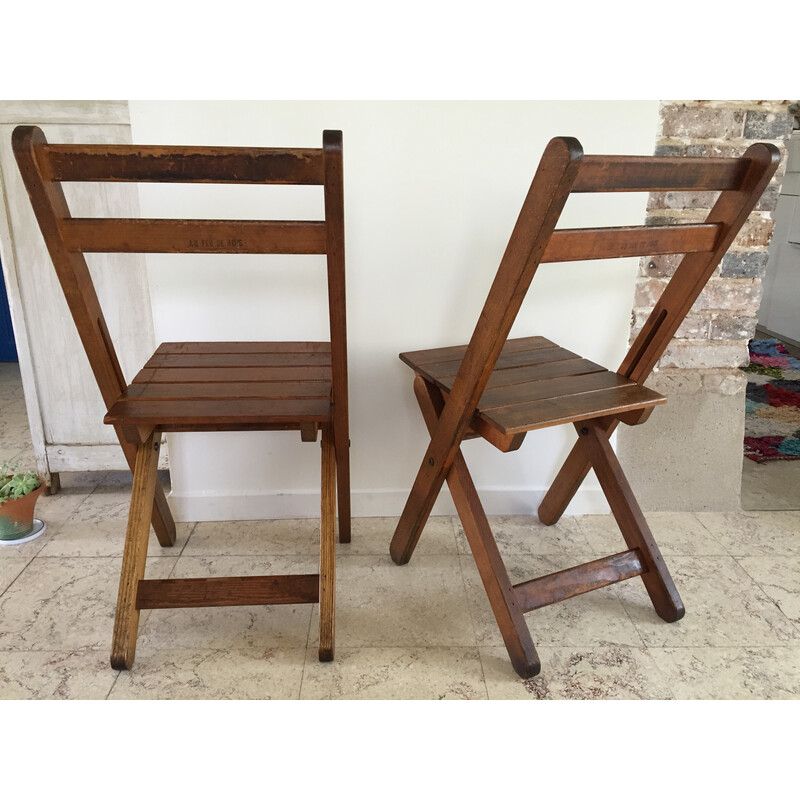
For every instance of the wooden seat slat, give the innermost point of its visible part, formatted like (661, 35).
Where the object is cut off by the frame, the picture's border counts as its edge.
(572, 408)
(247, 411)
(182, 360)
(438, 354)
(173, 348)
(541, 389)
(449, 369)
(320, 372)
(517, 394)
(209, 391)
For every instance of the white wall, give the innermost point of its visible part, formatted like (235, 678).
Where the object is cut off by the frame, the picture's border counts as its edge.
(432, 191)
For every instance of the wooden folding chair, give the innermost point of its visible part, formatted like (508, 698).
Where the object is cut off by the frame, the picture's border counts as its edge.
(204, 386)
(499, 390)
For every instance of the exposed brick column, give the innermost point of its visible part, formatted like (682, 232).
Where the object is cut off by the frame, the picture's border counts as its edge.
(723, 320)
(691, 456)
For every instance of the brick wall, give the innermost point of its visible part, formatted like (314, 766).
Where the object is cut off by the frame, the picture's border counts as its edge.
(719, 325)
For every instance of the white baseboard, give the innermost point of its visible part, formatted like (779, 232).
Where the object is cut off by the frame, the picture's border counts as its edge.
(297, 505)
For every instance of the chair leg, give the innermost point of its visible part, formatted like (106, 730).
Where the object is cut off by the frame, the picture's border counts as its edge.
(572, 474)
(162, 521)
(126, 622)
(424, 492)
(593, 439)
(327, 565)
(509, 616)
(341, 444)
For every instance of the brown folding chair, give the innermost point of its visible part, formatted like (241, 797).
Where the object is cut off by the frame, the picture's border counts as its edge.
(500, 389)
(204, 386)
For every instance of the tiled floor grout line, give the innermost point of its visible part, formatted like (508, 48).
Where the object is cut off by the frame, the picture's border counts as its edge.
(454, 522)
(17, 576)
(738, 560)
(305, 652)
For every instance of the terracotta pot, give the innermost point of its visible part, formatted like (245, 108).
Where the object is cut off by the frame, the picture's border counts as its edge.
(16, 516)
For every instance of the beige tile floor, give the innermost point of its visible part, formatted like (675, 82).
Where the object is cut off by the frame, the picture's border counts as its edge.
(422, 631)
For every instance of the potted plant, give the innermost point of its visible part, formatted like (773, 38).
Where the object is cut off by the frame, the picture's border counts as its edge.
(19, 492)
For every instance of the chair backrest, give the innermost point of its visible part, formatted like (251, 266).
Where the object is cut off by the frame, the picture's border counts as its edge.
(45, 166)
(563, 170)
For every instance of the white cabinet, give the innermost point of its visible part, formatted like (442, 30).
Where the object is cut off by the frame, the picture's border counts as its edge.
(64, 406)
(779, 314)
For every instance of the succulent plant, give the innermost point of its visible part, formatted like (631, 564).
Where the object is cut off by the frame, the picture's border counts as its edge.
(14, 484)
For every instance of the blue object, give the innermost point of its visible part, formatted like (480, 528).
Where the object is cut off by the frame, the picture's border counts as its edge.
(8, 347)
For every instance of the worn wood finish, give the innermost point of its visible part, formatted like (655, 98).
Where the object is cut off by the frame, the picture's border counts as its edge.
(593, 243)
(165, 164)
(507, 611)
(205, 386)
(499, 388)
(126, 621)
(193, 236)
(50, 207)
(731, 210)
(540, 212)
(251, 590)
(308, 373)
(327, 561)
(197, 348)
(334, 213)
(658, 174)
(631, 521)
(574, 581)
(536, 388)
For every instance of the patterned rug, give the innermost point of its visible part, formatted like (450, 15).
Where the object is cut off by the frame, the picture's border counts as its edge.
(772, 408)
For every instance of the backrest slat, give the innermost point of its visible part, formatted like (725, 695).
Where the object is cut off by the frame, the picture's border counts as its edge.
(170, 164)
(658, 174)
(45, 166)
(582, 244)
(193, 236)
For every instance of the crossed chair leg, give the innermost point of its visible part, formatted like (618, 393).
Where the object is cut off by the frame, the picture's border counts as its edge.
(510, 602)
(135, 593)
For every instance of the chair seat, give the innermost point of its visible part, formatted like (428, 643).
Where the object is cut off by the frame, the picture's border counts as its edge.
(229, 385)
(536, 384)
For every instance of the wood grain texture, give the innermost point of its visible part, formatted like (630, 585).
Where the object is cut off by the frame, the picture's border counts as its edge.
(126, 620)
(584, 244)
(50, 208)
(506, 609)
(229, 384)
(222, 411)
(536, 384)
(730, 212)
(327, 559)
(180, 164)
(251, 590)
(567, 583)
(631, 521)
(493, 386)
(233, 374)
(658, 174)
(193, 236)
(337, 293)
(205, 386)
(195, 348)
(540, 212)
